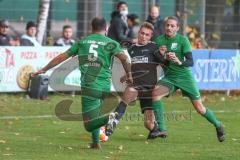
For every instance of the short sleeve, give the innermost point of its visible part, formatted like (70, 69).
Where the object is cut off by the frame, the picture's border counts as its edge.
(186, 45)
(116, 48)
(73, 50)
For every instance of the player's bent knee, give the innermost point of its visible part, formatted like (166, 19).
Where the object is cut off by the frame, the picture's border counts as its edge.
(88, 129)
(158, 94)
(201, 110)
(199, 107)
(87, 126)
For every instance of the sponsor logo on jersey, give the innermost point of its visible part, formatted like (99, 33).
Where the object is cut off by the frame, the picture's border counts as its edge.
(92, 64)
(139, 59)
(174, 46)
(145, 50)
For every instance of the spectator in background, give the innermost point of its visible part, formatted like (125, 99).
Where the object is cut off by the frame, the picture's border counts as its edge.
(133, 25)
(155, 19)
(66, 39)
(118, 25)
(5, 40)
(29, 39)
(197, 40)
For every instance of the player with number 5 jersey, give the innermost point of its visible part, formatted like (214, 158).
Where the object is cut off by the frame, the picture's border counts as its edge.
(95, 53)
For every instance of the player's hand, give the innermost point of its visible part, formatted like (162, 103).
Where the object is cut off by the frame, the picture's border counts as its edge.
(37, 73)
(172, 56)
(129, 79)
(163, 50)
(123, 78)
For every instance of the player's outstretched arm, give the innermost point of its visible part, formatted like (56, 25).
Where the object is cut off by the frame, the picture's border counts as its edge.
(55, 61)
(127, 66)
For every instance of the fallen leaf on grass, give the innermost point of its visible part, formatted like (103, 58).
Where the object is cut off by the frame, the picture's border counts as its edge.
(7, 154)
(67, 129)
(120, 147)
(222, 99)
(126, 127)
(2, 141)
(10, 122)
(70, 148)
(17, 134)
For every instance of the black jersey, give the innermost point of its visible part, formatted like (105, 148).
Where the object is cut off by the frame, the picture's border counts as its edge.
(144, 60)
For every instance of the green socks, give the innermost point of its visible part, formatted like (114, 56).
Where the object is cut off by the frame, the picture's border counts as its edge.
(159, 115)
(209, 115)
(96, 136)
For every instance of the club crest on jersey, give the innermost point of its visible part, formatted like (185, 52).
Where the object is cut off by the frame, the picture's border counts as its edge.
(110, 46)
(174, 46)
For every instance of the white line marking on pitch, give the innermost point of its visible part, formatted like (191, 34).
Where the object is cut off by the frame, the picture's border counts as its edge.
(54, 116)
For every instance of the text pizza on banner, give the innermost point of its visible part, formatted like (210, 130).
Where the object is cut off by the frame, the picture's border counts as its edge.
(213, 69)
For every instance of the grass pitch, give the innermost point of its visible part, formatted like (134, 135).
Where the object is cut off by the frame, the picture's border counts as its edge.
(29, 130)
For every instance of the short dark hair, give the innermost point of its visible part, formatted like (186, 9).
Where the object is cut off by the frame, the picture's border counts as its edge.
(66, 27)
(30, 24)
(150, 8)
(173, 18)
(121, 3)
(99, 24)
(132, 17)
(4, 23)
(147, 25)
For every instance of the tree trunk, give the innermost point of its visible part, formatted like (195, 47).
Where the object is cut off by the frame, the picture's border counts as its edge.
(42, 19)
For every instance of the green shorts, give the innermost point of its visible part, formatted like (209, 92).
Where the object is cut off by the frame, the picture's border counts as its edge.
(90, 107)
(92, 99)
(187, 87)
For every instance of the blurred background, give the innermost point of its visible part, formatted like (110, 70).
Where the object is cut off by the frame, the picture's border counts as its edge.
(216, 22)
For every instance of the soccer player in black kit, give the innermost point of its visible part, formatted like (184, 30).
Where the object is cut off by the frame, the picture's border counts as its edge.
(145, 58)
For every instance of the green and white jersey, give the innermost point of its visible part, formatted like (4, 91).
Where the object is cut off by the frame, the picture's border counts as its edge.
(178, 77)
(180, 45)
(95, 53)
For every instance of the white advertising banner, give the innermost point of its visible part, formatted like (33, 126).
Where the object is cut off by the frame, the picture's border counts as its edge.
(17, 62)
(213, 69)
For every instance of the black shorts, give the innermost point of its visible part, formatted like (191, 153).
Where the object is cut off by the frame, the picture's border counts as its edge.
(144, 92)
(145, 104)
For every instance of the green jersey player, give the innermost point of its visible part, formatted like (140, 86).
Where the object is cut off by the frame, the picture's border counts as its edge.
(95, 53)
(177, 51)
